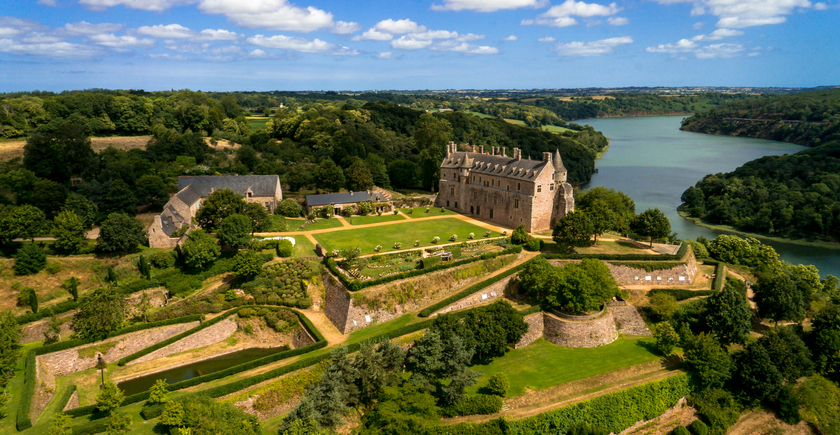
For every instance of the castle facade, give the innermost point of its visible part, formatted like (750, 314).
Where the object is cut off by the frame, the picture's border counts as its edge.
(510, 191)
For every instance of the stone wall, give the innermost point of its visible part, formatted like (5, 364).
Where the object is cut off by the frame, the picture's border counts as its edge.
(205, 337)
(301, 338)
(68, 361)
(534, 332)
(35, 331)
(591, 333)
(73, 403)
(487, 294)
(682, 274)
(629, 321)
(337, 303)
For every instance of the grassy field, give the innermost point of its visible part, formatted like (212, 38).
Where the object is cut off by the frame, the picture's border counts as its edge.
(303, 247)
(555, 129)
(542, 364)
(407, 233)
(479, 114)
(420, 212)
(363, 220)
(320, 224)
(257, 122)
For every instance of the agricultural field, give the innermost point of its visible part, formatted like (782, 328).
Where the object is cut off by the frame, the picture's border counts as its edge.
(406, 233)
(257, 122)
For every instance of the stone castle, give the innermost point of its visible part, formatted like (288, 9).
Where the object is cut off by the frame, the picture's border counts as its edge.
(510, 191)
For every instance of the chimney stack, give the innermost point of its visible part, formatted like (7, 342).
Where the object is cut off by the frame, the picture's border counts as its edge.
(547, 157)
(504, 151)
(517, 154)
(482, 149)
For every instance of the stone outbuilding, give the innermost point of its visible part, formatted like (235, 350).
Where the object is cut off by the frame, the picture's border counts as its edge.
(510, 191)
(181, 208)
(343, 200)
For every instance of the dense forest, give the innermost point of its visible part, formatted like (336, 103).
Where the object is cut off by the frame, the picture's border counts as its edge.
(630, 104)
(791, 195)
(807, 118)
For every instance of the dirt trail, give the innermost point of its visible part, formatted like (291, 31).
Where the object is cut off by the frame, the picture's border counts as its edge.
(763, 422)
(537, 402)
(750, 292)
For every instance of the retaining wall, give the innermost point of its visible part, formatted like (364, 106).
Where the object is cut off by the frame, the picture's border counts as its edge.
(205, 337)
(489, 293)
(682, 274)
(535, 330)
(591, 333)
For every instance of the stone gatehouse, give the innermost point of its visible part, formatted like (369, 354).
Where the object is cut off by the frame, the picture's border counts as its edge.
(510, 191)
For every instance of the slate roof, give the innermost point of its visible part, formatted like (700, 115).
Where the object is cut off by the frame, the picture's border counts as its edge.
(170, 220)
(341, 198)
(501, 166)
(189, 195)
(260, 185)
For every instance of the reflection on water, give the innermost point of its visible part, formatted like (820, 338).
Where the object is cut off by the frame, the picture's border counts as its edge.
(182, 373)
(651, 160)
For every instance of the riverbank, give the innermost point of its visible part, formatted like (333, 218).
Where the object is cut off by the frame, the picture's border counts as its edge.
(730, 229)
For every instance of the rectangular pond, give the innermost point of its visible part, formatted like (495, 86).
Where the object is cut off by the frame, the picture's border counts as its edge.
(199, 368)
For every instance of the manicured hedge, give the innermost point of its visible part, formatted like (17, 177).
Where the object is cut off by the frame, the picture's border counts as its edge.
(91, 427)
(612, 412)
(622, 257)
(429, 262)
(23, 420)
(720, 274)
(68, 392)
(153, 410)
(681, 294)
(473, 405)
(426, 312)
(356, 285)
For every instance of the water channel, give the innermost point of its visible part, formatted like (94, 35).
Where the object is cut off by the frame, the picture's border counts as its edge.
(189, 371)
(653, 162)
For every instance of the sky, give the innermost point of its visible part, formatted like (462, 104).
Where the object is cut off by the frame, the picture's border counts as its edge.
(241, 45)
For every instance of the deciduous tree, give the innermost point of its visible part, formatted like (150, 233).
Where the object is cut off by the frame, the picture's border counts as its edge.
(101, 312)
(651, 223)
(120, 232)
(219, 205)
(710, 364)
(200, 249)
(235, 231)
(728, 315)
(69, 231)
(573, 230)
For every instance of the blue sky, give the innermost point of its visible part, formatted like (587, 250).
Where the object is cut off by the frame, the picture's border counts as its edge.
(222, 45)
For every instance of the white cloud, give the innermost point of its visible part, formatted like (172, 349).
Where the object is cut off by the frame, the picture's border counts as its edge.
(50, 3)
(734, 14)
(682, 46)
(344, 27)
(487, 5)
(373, 35)
(121, 42)
(463, 47)
(819, 7)
(399, 26)
(406, 43)
(85, 28)
(269, 14)
(561, 15)
(592, 48)
(618, 21)
(39, 38)
(723, 33)
(10, 26)
(753, 54)
(434, 34)
(292, 43)
(217, 35)
(698, 25)
(166, 56)
(169, 31)
(258, 54)
(146, 5)
(547, 39)
(511, 38)
(722, 50)
(182, 47)
(387, 55)
(55, 50)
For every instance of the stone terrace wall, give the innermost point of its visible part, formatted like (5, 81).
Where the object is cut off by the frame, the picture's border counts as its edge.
(67, 361)
(629, 321)
(301, 338)
(205, 337)
(489, 293)
(591, 333)
(633, 276)
(337, 303)
(535, 330)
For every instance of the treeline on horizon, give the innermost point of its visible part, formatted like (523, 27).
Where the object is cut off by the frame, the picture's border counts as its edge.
(806, 118)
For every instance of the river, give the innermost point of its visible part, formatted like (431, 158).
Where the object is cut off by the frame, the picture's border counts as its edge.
(653, 162)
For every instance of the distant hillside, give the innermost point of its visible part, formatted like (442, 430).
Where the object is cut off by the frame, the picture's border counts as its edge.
(807, 118)
(793, 196)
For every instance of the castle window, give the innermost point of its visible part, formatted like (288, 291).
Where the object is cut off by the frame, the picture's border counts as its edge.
(447, 203)
(539, 188)
(494, 199)
(518, 187)
(508, 187)
(451, 190)
(516, 203)
(551, 187)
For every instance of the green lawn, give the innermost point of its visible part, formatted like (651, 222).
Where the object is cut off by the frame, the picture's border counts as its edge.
(303, 247)
(555, 129)
(479, 114)
(362, 220)
(420, 212)
(407, 233)
(320, 224)
(542, 364)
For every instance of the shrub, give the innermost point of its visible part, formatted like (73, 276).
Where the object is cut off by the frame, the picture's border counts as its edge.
(23, 296)
(519, 236)
(697, 427)
(719, 408)
(284, 248)
(289, 208)
(428, 262)
(162, 259)
(30, 259)
(680, 430)
(472, 405)
(53, 267)
(534, 244)
(498, 384)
